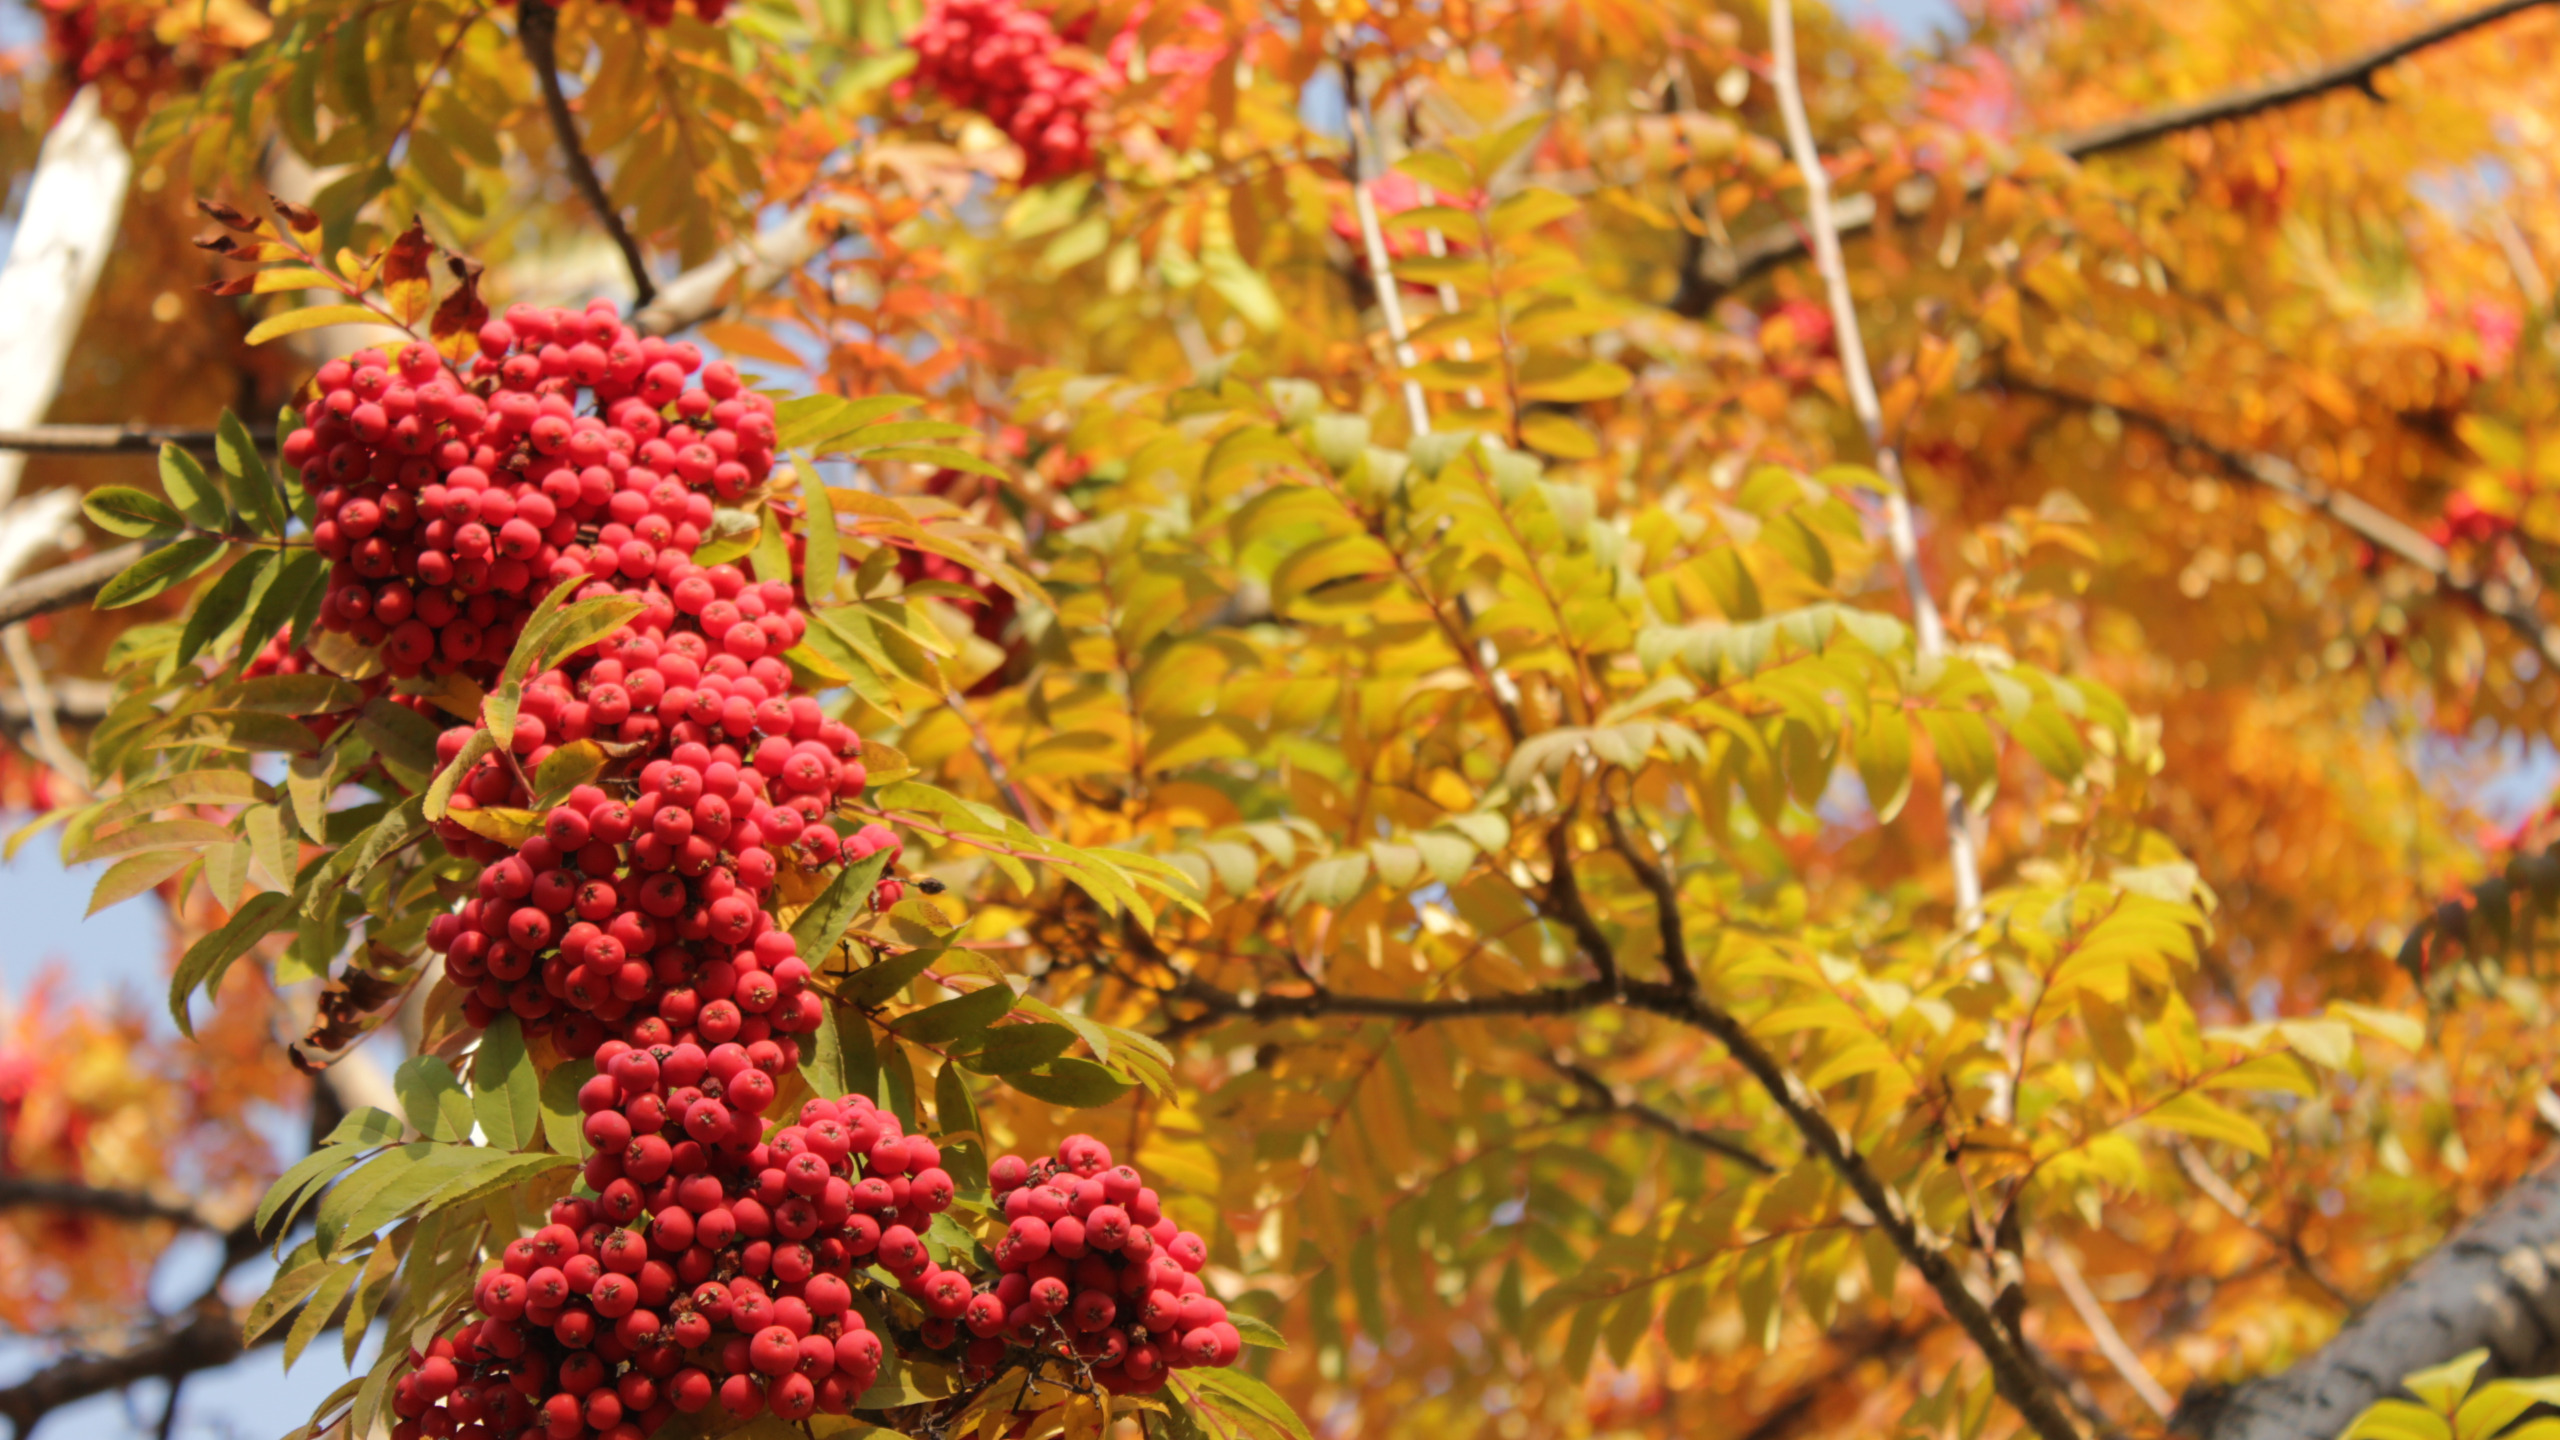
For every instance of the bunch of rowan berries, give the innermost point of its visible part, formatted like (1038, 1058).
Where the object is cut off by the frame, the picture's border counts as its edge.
(1091, 1271)
(712, 1255)
(1000, 58)
(448, 504)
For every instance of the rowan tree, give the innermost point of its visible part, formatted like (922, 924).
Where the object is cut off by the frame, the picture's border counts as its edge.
(1264, 718)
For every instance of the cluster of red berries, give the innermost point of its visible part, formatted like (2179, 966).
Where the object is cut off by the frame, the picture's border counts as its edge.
(715, 1267)
(713, 1261)
(589, 1326)
(2466, 519)
(1091, 1269)
(446, 506)
(1000, 58)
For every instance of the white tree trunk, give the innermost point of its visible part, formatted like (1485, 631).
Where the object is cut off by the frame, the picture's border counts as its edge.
(72, 211)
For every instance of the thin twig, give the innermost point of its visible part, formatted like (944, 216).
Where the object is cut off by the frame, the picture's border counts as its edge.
(1721, 269)
(2237, 1206)
(1004, 782)
(2506, 601)
(2111, 1342)
(1382, 273)
(116, 439)
(1658, 882)
(49, 745)
(169, 1410)
(1605, 1100)
(67, 585)
(538, 28)
(1929, 631)
(33, 1191)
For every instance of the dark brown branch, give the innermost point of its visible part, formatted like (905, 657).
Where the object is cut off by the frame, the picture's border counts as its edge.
(538, 27)
(1605, 1100)
(1720, 271)
(116, 439)
(2500, 599)
(18, 1191)
(67, 585)
(206, 1338)
(169, 1407)
(2357, 72)
(1565, 902)
(2019, 1379)
(1666, 901)
(1226, 1004)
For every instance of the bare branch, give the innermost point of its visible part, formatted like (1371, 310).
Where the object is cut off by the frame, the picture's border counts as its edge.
(538, 28)
(1719, 271)
(1604, 1099)
(754, 266)
(19, 1191)
(1657, 881)
(205, 1338)
(64, 586)
(116, 439)
(1227, 1004)
(2019, 1379)
(2111, 1342)
(2507, 601)
(1565, 902)
(2237, 1206)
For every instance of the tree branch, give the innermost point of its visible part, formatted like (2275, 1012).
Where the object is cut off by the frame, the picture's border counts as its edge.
(1657, 881)
(117, 439)
(1564, 897)
(756, 265)
(2021, 1381)
(1719, 271)
(538, 28)
(64, 586)
(1557, 1000)
(2509, 603)
(207, 1337)
(18, 1191)
(2237, 1206)
(2110, 1341)
(1605, 1100)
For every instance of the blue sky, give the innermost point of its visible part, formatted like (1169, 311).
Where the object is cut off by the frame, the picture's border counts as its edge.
(119, 954)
